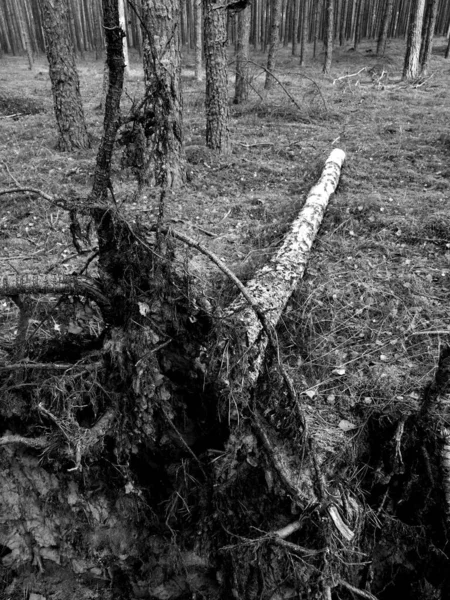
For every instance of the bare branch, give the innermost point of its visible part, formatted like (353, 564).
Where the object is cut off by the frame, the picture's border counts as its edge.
(52, 284)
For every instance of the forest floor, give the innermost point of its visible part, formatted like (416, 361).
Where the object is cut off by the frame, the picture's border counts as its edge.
(364, 330)
(368, 321)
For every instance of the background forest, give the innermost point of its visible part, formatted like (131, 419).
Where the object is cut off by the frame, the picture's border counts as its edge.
(202, 394)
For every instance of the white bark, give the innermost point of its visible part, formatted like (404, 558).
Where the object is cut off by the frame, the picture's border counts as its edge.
(274, 284)
(123, 25)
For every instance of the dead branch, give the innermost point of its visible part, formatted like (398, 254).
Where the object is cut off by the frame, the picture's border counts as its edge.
(355, 590)
(19, 190)
(40, 442)
(32, 283)
(288, 94)
(350, 75)
(48, 366)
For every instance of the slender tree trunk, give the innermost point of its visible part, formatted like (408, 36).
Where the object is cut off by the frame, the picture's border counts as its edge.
(447, 51)
(386, 20)
(64, 77)
(411, 67)
(296, 19)
(343, 23)
(125, 42)
(24, 33)
(273, 44)
(304, 30)
(162, 122)
(329, 37)
(198, 39)
(427, 37)
(358, 21)
(242, 70)
(316, 25)
(216, 103)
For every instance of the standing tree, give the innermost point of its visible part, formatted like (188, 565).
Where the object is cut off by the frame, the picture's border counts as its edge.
(304, 30)
(386, 20)
(198, 39)
(411, 67)
(329, 38)
(123, 25)
(427, 36)
(273, 43)
(295, 23)
(163, 109)
(242, 70)
(64, 77)
(216, 102)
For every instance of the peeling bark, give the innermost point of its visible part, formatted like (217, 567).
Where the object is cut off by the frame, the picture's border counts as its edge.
(273, 285)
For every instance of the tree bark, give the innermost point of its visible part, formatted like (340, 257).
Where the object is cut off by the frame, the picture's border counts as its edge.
(329, 38)
(295, 24)
(163, 109)
(427, 36)
(198, 38)
(304, 30)
(273, 43)
(411, 67)
(64, 77)
(386, 21)
(216, 102)
(123, 25)
(242, 53)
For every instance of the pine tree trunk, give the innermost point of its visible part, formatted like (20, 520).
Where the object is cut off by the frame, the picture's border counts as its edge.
(329, 38)
(216, 102)
(387, 15)
(427, 37)
(163, 118)
(295, 14)
(242, 70)
(64, 77)
(198, 39)
(411, 67)
(273, 44)
(304, 31)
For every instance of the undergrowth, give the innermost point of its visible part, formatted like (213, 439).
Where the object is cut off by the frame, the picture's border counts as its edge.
(364, 329)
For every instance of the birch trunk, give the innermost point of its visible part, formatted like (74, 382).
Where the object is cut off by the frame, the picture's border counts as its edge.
(274, 283)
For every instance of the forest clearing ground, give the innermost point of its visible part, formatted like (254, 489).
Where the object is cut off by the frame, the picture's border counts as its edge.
(379, 272)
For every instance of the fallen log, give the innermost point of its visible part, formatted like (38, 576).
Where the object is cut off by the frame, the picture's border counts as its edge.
(273, 285)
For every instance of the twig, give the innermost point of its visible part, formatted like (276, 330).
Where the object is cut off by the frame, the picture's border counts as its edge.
(432, 332)
(18, 190)
(355, 590)
(288, 94)
(348, 76)
(44, 366)
(10, 174)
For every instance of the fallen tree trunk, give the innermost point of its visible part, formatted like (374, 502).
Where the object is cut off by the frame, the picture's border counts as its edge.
(272, 286)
